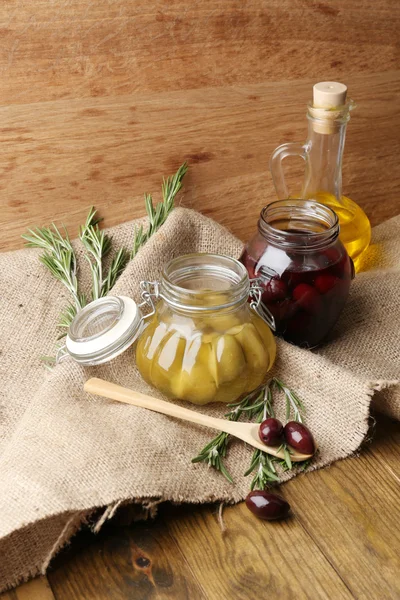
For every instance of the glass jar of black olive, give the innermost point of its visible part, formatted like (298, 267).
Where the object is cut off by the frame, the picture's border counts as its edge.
(303, 268)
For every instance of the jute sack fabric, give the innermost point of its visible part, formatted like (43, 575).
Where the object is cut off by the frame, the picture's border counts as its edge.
(64, 454)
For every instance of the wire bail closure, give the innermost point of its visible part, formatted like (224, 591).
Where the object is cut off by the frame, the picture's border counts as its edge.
(150, 294)
(61, 354)
(258, 306)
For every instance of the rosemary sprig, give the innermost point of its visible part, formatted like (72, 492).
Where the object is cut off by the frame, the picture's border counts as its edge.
(256, 406)
(286, 462)
(214, 452)
(58, 257)
(265, 470)
(68, 314)
(118, 264)
(97, 245)
(262, 463)
(158, 215)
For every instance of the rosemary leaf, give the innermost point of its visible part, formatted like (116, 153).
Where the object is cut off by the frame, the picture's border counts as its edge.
(67, 316)
(293, 403)
(302, 466)
(253, 463)
(225, 473)
(213, 453)
(49, 361)
(288, 460)
(118, 264)
(139, 238)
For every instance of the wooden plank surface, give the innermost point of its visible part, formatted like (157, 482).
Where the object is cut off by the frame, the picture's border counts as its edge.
(99, 99)
(142, 561)
(37, 589)
(193, 560)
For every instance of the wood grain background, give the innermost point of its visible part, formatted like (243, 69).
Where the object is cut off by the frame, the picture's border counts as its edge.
(101, 98)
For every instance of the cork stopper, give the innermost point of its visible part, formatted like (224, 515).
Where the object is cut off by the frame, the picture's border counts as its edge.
(329, 98)
(329, 94)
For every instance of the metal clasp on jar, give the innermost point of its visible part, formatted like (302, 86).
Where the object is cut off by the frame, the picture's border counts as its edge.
(150, 294)
(258, 306)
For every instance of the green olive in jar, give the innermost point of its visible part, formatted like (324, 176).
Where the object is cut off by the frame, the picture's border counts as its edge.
(194, 381)
(227, 361)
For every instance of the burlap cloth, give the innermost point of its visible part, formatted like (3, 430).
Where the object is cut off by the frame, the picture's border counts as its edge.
(64, 454)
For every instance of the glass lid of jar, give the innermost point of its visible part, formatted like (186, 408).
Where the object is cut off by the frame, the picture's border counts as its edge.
(106, 327)
(103, 329)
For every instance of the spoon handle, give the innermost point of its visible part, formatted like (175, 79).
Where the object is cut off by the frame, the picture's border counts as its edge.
(122, 394)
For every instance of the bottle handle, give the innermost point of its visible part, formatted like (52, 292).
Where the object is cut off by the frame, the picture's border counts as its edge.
(275, 165)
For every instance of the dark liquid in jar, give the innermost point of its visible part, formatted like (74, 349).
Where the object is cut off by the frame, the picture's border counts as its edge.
(305, 292)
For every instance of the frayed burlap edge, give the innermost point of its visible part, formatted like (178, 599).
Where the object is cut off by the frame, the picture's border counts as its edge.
(66, 526)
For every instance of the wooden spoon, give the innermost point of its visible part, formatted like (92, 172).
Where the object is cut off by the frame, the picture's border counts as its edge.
(248, 432)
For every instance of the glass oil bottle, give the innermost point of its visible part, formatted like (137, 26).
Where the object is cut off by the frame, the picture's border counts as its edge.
(328, 115)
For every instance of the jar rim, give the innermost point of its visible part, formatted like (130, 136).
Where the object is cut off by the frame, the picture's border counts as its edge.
(193, 268)
(295, 211)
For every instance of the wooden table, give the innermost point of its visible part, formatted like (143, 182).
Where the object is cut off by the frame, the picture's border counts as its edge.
(99, 99)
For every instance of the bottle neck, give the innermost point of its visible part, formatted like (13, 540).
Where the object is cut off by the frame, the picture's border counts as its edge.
(324, 153)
